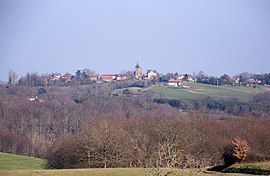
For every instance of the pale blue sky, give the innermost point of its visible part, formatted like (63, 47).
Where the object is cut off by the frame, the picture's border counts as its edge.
(229, 36)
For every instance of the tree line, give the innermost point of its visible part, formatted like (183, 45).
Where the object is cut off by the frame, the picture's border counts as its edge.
(257, 105)
(163, 142)
(73, 128)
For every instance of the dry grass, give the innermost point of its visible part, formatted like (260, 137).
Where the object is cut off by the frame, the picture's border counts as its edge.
(261, 168)
(105, 172)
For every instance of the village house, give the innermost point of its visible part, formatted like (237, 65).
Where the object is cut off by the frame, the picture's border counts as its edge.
(66, 77)
(179, 77)
(150, 74)
(93, 78)
(55, 76)
(234, 80)
(120, 77)
(190, 78)
(250, 82)
(107, 77)
(174, 82)
(34, 99)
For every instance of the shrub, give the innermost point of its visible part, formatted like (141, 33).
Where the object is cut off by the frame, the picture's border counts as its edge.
(241, 149)
(237, 151)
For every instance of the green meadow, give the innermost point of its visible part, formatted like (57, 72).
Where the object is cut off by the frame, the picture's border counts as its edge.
(15, 165)
(198, 91)
(16, 162)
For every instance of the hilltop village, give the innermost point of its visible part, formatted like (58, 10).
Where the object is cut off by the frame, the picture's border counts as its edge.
(87, 76)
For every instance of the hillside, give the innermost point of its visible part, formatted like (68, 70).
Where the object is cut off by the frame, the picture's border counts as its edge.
(198, 90)
(16, 162)
(261, 168)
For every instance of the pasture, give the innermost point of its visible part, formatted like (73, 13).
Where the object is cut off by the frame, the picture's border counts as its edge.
(107, 172)
(197, 91)
(16, 162)
(15, 165)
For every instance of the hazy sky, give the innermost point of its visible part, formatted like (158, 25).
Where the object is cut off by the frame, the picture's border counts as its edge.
(229, 36)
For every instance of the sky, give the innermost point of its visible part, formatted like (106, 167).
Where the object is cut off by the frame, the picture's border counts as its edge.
(108, 36)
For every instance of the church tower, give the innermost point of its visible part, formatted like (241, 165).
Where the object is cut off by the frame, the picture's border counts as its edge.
(138, 72)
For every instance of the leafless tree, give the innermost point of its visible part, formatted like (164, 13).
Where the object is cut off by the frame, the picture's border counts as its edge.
(12, 77)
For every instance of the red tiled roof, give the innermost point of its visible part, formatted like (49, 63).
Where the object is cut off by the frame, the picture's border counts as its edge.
(174, 81)
(107, 75)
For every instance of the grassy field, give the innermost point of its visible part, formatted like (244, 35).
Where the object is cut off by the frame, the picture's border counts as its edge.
(262, 168)
(197, 91)
(16, 162)
(15, 165)
(107, 172)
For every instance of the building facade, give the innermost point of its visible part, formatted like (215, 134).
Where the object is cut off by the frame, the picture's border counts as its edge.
(138, 72)
(151, 74)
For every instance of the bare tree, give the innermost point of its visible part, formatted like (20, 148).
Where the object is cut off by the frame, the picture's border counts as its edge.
(87, 72)
(12, 77)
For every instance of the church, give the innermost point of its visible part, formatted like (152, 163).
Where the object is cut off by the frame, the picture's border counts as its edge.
(138, 72)
(150, 74)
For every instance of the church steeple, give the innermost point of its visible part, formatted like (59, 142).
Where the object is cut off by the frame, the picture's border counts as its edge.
(138, 72)
(137, 66)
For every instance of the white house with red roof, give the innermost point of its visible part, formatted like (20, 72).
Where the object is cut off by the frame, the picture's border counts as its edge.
(174, 82)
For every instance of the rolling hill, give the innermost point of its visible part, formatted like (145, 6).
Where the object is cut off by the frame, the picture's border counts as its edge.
(198, 91)
(16, 162)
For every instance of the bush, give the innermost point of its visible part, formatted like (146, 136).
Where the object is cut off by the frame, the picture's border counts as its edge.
(237, 151)
(65, 154)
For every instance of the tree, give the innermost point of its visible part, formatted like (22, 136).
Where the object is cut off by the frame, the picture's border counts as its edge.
(241, 149)
(87, 72)
(65, 154)
(12, 77)
(237, 151)
(185, 77)
(78, 73)
(201, 74)
(167, 77)
(126, 91)
(129, 74)
(224, 79)
(31, 79)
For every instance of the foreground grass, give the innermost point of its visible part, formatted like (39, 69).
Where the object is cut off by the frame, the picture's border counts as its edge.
(107, 172)
(16, 162)
(262, 168)
(16, 165)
